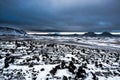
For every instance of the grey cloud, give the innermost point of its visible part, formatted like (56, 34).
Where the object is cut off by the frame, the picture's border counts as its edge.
(64, 15)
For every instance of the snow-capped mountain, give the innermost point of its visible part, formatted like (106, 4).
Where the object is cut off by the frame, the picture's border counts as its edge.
(11, 31)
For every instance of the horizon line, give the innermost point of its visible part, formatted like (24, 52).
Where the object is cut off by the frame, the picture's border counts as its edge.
(66, 33)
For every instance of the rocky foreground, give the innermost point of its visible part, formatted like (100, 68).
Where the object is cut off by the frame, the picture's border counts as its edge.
(41, 60)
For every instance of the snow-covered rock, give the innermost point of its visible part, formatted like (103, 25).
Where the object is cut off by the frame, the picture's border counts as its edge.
(45, 59)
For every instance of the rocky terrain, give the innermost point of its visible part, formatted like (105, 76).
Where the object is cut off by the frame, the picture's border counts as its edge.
(58, 59)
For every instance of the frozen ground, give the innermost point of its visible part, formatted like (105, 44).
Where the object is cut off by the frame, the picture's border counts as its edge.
(60, 58)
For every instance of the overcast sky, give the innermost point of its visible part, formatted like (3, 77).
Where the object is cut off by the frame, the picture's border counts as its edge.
(61, 15)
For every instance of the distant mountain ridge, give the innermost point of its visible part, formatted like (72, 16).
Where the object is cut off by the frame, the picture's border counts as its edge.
(106, 34)
(92, 34)
(11, 31)
(87, 34)
(103, 34)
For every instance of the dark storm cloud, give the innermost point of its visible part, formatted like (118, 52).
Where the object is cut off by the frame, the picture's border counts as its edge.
(62, 15)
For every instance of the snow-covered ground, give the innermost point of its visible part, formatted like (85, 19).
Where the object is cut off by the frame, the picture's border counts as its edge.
(60, 58)
(100, 41)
